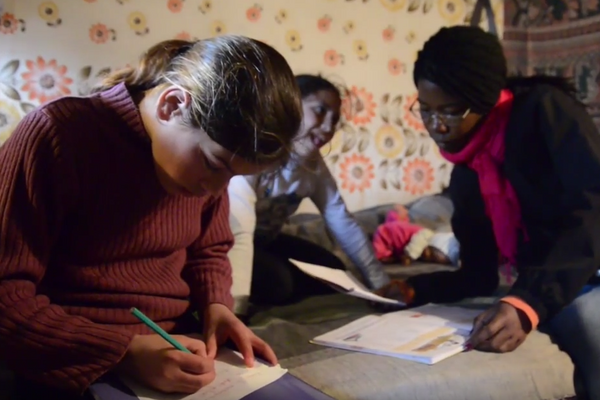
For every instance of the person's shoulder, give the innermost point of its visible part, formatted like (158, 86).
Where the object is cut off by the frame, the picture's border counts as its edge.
(39, 138)
(545, 95)
(71, 111)
(56, 118)
(39, 127)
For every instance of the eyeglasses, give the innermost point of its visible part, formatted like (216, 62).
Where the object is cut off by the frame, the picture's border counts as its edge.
(450, 120)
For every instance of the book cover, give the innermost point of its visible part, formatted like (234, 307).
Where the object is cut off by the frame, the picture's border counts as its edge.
(427, 334)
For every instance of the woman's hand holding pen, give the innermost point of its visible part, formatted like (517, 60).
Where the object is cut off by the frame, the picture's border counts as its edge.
(501, 329)
(157, 364)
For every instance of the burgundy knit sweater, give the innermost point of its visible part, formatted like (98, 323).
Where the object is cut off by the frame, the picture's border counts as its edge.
(87, 232)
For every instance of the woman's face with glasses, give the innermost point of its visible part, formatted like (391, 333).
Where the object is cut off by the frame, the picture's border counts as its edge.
(448, 120)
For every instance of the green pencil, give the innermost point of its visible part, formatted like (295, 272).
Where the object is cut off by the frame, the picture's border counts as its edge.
(140, 315)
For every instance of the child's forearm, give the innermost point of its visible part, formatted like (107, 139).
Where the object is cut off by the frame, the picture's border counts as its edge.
(42, 343)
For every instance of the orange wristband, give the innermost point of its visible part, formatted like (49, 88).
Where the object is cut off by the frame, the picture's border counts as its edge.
(526, 308)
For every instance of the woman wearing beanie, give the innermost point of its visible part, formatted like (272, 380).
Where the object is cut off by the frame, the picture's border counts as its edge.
(526, 192)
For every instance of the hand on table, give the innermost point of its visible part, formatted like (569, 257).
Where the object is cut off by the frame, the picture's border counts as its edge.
(500, 329)
(221, 324)
(155, 363)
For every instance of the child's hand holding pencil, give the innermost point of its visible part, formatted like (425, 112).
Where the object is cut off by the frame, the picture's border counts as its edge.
(170, 364)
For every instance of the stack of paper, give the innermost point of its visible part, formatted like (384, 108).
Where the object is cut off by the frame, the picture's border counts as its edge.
(427, 334)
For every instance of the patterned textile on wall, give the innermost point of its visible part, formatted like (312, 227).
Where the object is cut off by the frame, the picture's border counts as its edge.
(557, 37)
(380, 155)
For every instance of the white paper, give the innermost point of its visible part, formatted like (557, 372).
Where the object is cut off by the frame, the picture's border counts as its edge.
(426, 334)
(233, 380)
(458, 317)
(343, 281)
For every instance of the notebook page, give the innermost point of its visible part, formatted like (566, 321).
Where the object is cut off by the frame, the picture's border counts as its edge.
(456, 317)
(343, 280)
(233, 380)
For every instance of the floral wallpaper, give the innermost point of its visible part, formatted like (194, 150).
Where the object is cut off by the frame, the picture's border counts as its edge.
(381, 153)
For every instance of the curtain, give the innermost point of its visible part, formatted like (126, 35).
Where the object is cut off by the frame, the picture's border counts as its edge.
(556, 37)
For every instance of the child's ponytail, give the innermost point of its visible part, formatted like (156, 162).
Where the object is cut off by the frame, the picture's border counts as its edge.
(150, 70)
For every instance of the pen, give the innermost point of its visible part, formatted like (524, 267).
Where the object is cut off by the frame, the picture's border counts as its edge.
(157, 329)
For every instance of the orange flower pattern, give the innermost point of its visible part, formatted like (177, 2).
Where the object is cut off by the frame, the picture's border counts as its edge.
(395, 67)
(253, 13)
(9, 24)
(175, 6)
(353, 43)
(45, 81)
(418, 176)
(183, 35)
(358, 106)
(324, 23)
(333, 58)
(99, 33)
(388, 34)
(356, 173)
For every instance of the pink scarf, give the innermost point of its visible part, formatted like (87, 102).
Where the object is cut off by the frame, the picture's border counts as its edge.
(485, 155)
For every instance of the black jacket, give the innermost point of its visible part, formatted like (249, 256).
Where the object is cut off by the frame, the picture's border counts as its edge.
(552, 159)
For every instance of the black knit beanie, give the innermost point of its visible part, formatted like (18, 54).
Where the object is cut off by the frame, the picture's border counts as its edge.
(465, 62)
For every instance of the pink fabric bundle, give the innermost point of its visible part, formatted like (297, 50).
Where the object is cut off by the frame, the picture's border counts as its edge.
(393, 235)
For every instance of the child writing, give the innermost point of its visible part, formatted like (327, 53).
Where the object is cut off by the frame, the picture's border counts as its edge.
(118, 200)
(261, 203)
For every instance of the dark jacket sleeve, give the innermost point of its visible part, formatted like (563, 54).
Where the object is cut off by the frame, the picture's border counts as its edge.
(573, 144)
(478, 273)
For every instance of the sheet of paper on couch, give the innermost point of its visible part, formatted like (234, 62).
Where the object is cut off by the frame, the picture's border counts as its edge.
(427, 334)
(343, 281)
(233, 380)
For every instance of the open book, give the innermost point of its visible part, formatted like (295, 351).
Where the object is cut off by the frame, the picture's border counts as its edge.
(233, 381)
(343, 281)
(427, 334)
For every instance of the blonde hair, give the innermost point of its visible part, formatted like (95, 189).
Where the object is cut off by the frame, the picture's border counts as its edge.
(243, 92)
